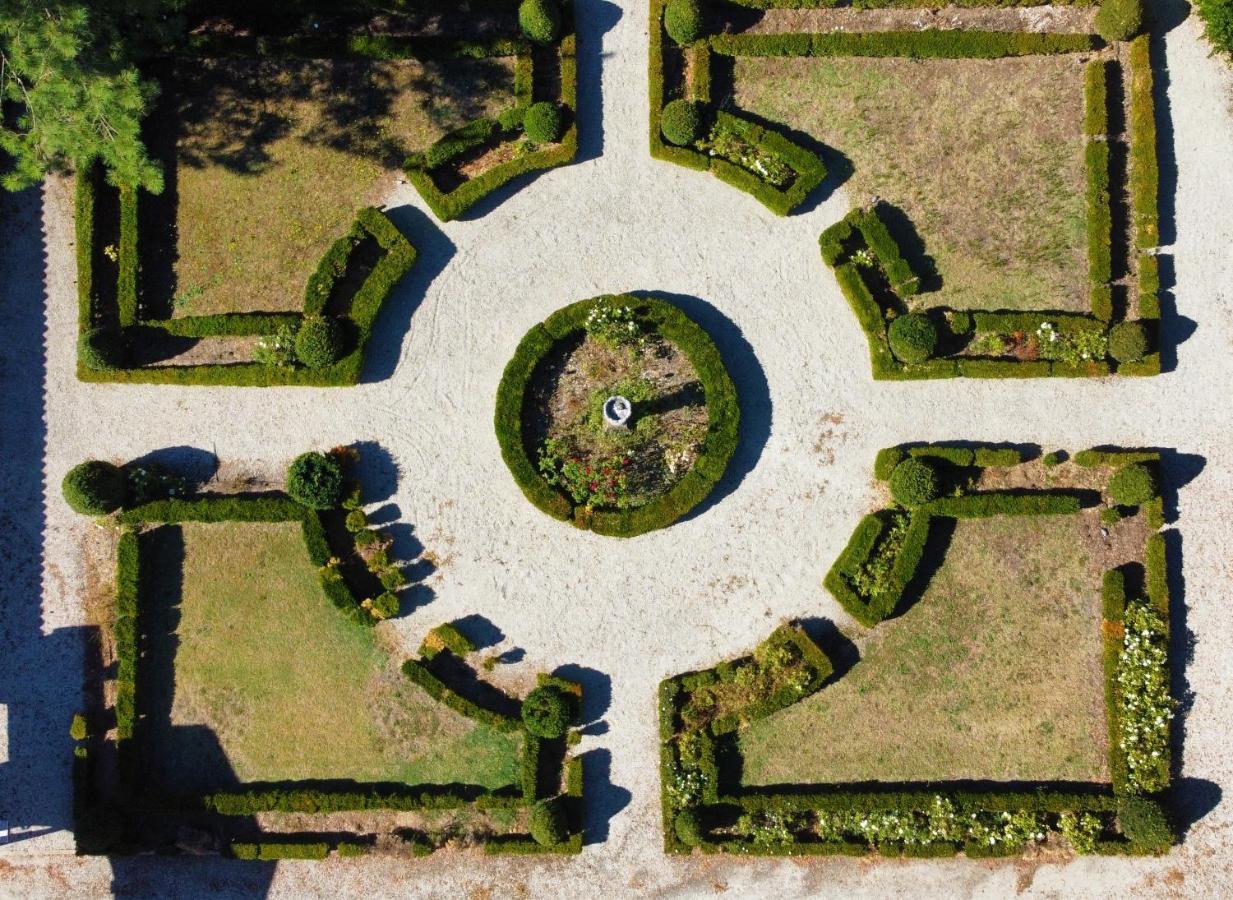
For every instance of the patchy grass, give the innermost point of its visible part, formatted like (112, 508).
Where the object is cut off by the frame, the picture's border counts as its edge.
(994, 674)
(985, 158)
(271, 683)
(274, 157)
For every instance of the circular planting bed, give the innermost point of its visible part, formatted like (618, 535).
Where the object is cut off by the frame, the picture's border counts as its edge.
(617, 413)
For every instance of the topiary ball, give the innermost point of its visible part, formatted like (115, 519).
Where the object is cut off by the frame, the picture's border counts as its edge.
(1144, 823)
(546, 712)
(540, 20)
(548, 824)
(1119, 20)
(913, 338)
(319, 342)
(681, 122)
(385, 605)
(544, 122)
(683, 21)
(687, 828)
(101, 349)
(1133, 485)
(1128, 342)
(914, 482)
(94, 488)
(315, 480)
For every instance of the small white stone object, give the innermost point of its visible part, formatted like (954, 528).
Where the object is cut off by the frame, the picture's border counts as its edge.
(617, 411)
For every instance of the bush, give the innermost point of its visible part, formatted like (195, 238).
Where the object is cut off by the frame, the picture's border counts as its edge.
(1218, 19)
(683, 21)
(688, 830)
(101, 349)
(681, 122)
(913, 338)
(1119, 20)
(540, 20)
(544, 122)
(1144, 823)
(319, 342)
(78, 729)
(356, 521)
(386, 605)
(914, 482)
(1133, 485)
(315, 480)
(94, 488)
(1128, 342)
(546, 712)
(548, 824)
(1053, 458)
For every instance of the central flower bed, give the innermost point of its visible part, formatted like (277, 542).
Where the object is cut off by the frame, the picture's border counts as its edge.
(617, 477)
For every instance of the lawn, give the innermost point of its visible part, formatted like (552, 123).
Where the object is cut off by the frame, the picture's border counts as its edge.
(984, 157)
(272, 683)
(994, 674)
(274, 157)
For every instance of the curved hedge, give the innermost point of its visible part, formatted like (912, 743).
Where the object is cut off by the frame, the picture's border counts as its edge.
(723, 410)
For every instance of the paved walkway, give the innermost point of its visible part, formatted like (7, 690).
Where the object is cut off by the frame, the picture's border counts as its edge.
(631, 612)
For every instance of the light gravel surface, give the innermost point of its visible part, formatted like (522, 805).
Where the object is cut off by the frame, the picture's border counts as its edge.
(628, 613)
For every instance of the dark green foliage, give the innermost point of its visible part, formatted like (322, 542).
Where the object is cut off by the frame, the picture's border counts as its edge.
(247, 801)
(546, 712)
(540, 20)
(315, 480)
(1113, 595)
(1145, 824)
(98, 830)
(1218, 23)
(1133, 485)
(981, 506)
(1090, 458)
(683, 21)
(544, 122)
(996, 457)
(319, 342)
(548, 823)
(1119, 20)
(885, 462)
(1144, 161)
(386, 605)
(1096, 98)
(930, 44)
(279, 851)
(436, 688)
(1128, 341)
(688, 829)
(913, 338)
(356, 521)
(101, 349)
(94, 488)
(914, 482)
(1099, 214)
(681, 122)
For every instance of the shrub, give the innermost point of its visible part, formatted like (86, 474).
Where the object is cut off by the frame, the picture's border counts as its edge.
(1144, 823)
(546, 712)
(1053, 458)
(385, 606)
(1218, 19)
(544, 122)
(914, 482)
(101, 349)
(94, 488)
(1133, 485)
(688, 830)
(356, 521)
(913, 338)
(548, 825)
(78, 729)
(1119, 20)
(540, 20)
(1110, 515)
(1128, 342)
(315, 480)
(319, 342)
(683, 21)
(681, 122)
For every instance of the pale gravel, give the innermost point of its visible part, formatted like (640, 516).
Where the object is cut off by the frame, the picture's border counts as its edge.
(684, 597)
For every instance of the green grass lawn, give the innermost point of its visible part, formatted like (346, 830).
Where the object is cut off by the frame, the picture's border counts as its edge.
(994, 674)
(274, 157)
(985, 157)
(272, 683)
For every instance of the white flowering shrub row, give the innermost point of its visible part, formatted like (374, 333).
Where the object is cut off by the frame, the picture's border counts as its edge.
(1145, 705)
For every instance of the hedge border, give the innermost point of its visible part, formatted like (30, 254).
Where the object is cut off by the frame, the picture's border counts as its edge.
(1047, 799)
(723, 409)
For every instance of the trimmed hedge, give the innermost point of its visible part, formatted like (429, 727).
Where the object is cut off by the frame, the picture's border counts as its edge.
(683, 21)
(418, 673)
(267, 851)
(94, 488)
(1099, 214)
(914, 483)
(1119, 20)
(926, 44)
(540, 20)
(547, 712)
(681, 123)
(913, 338)
(981, 506)
(1096, 98)
(544, 122)
(723, 410)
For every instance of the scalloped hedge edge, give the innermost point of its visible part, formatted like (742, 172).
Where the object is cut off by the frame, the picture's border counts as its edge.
(723, 409)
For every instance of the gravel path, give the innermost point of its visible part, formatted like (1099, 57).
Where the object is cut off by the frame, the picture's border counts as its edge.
(628, 613)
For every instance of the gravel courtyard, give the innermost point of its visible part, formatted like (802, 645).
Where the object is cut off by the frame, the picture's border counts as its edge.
(624, 613)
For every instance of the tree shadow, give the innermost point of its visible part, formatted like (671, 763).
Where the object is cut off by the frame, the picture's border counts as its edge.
(596, 690)
(1174, 329)
(592, 20)
(480, 630)
(377, 470)
(1178, 470)
(603, 799)
(194, 464)
(752, 390)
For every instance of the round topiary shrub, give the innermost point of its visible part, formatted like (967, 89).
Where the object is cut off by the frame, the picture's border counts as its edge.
(913, 338)
(546, 712)
(1132, 485)
(540, 20)
(548, 824)
(95, 488)
(544, 122)
(385, 605)
(1144, 823)
(683, 21)
(914, 482)
(319, 342)
(687, 828)
(681, 122)
(315, 480)
(1119, 20)
(356, 521)
(101, 349)
(1128, 342)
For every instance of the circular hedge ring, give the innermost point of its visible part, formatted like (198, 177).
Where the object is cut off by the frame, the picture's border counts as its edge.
(721, 431)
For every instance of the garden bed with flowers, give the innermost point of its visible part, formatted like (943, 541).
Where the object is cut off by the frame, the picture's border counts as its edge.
(1018, 605)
